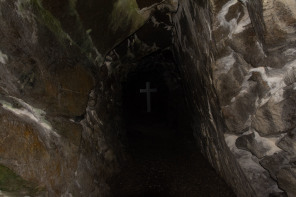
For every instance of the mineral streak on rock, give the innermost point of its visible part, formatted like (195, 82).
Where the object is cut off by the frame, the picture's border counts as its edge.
(3, 58)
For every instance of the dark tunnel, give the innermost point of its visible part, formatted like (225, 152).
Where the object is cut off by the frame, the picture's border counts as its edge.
(163, 157)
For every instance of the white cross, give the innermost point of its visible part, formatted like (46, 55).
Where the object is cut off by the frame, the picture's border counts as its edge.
(148, 92)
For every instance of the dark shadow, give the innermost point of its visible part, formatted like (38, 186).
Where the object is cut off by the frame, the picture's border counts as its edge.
(135, 102)
(164, 159)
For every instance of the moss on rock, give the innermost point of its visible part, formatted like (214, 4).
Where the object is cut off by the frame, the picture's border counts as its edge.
(53, 24)
(14, 184)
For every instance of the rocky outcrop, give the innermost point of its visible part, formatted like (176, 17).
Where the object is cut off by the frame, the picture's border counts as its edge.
(60, 101)
(48, 69)
(194, 47)
(254, 80)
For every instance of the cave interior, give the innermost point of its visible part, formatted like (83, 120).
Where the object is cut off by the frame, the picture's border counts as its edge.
(160, 146)
(147, 98)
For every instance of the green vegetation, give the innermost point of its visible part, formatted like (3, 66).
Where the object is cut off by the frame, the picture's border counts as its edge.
(53, 24)
(43, 16)
(46, 18)
(12, 183)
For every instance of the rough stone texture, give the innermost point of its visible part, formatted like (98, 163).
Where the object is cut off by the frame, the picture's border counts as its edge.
(58, 94)
(55, 167)
(257, 145)
(248, 142)
(256, 39)
(275, 162)
(287, 180)
(194, 47)
(48, 68)
(279, 18)
(288, 143)
(258, 177)
(63, 100)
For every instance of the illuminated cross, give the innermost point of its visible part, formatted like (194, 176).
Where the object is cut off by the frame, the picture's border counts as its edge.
(148, 93)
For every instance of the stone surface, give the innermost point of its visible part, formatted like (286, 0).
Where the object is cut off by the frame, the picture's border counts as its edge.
(288, 143)
(254, 75)
(278, 194)
(275, 117)
(62, 64)
(15, 185)
(257, 145)
(247, 142)
(40, 155)
(193, 44)
(275, 162)
(48, 67)
(279, 18)
(250, 164)
(287, 180)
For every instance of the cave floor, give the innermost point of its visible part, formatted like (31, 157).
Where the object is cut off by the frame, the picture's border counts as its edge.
(165, 163)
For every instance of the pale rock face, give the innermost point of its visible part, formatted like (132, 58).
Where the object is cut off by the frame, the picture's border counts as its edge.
(257, 175)
(279, 17)
(3, 58)
(257, 145)
(193, 42)
(260, 99)
(268, 119)
(235, 25)
(275, 109)
(227, 63)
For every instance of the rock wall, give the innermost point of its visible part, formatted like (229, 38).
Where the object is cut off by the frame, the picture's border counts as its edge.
(60, 98)
(254, 75)
(57, 128)
(194, 47)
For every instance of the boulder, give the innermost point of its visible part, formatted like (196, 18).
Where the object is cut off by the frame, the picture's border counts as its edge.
(275, 163)
(257, 145)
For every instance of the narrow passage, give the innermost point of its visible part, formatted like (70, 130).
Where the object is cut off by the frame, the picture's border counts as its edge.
(163, 163)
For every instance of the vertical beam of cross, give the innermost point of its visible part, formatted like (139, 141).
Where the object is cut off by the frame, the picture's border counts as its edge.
(148, 91)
